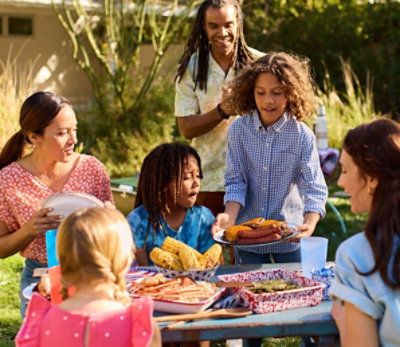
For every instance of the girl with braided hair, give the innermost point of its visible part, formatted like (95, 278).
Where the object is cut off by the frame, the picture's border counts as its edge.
(95, 250)
(367, 269)
(215, 52)
(165, 203)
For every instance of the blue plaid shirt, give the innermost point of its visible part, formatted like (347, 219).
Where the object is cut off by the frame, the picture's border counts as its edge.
(274, 172)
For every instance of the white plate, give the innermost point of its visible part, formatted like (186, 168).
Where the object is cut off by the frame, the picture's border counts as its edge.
(171, 306)
(66, 203)
(220, 238)
(28, 291)
(186, 307)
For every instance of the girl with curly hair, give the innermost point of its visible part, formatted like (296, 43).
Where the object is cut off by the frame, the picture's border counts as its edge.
(272, 164)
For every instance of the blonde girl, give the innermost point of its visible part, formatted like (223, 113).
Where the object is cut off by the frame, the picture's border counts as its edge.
(95, 250)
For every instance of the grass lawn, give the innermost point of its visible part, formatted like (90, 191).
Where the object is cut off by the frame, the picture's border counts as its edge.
(10, 273)
(10, 320)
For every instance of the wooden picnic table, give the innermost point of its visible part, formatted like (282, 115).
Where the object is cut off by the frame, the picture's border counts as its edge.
(305, 321)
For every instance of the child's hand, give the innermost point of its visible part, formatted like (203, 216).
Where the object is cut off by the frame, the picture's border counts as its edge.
(222, 221)
(305, 229)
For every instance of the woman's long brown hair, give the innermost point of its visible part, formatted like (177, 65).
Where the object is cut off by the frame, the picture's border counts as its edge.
(37, 112)
(375, 149)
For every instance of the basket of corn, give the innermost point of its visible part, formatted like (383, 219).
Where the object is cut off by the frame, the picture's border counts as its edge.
(176, 258)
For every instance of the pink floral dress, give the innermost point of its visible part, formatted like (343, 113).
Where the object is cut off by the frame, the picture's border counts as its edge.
(21, 195)
(48, 325)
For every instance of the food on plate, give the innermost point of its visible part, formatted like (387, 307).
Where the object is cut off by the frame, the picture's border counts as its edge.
(273, 285)
(269, 238)
(231, 232)
(43, 287)
(254, 223)
(176, 255)
(176, 289)
(257, 230)
(166, 259)
(188, 259)
(211, 257)
(173, 246)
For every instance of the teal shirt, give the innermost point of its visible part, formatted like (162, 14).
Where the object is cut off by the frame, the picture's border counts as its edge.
(195, 230)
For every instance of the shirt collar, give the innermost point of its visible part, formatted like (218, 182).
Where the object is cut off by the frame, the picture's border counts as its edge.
(277, 126)
(214, 66)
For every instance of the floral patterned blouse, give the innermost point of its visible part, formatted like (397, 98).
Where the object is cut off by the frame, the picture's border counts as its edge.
(49, 325)
(21, 195)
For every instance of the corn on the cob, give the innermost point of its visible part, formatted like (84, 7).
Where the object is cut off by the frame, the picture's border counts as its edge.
(165, 259)
(173, 246)
(188, 259)
(211, 257)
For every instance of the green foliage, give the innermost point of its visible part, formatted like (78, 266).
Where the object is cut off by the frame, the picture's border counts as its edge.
(348, 109)
(130, 114)
(364, 34)
(15, 85)
(10, 277)
(122, 143)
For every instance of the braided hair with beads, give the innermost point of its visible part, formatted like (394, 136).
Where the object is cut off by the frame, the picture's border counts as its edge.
(161, 179)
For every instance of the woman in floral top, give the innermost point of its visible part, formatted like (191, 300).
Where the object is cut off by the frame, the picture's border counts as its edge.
(48, 124)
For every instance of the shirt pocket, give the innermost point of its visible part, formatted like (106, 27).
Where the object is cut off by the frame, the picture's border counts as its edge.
(285, 167)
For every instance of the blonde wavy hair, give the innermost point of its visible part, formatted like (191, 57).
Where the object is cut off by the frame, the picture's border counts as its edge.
(292, 71)
(95, 245)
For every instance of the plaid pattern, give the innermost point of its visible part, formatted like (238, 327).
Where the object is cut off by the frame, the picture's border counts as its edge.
(274, 172)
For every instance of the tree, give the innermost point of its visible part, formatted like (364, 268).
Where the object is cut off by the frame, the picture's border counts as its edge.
(106, 40)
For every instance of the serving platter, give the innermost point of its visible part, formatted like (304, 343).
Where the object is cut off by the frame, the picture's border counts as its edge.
(220, 238)
(174, 306)
(309, 293)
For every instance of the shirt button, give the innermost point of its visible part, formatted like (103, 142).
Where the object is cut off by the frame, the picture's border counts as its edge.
(265, 168)
(262, 208)
(267, 145)
(264, 189)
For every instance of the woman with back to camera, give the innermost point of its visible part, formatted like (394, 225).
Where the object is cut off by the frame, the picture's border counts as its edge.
(48, 124)
(366, 288)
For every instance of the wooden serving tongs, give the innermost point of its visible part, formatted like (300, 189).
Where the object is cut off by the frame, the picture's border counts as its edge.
(223, 313)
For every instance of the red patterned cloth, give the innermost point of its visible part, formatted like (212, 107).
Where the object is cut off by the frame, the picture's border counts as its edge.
(49, 325)
(21, 195)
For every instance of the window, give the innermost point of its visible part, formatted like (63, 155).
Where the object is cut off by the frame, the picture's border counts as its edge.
(20, 26)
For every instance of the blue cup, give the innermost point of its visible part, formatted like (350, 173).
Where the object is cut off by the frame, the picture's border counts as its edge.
(51, 237)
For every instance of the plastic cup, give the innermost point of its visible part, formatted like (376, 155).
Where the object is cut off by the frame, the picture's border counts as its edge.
(51, 248)
(313, 254)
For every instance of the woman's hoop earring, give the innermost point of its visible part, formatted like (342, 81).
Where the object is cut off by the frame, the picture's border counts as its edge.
(370, 192)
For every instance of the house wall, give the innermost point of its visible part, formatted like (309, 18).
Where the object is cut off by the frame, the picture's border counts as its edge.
(51, 51)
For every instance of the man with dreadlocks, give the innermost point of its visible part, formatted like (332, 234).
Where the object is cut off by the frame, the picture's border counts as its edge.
(215, 52)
